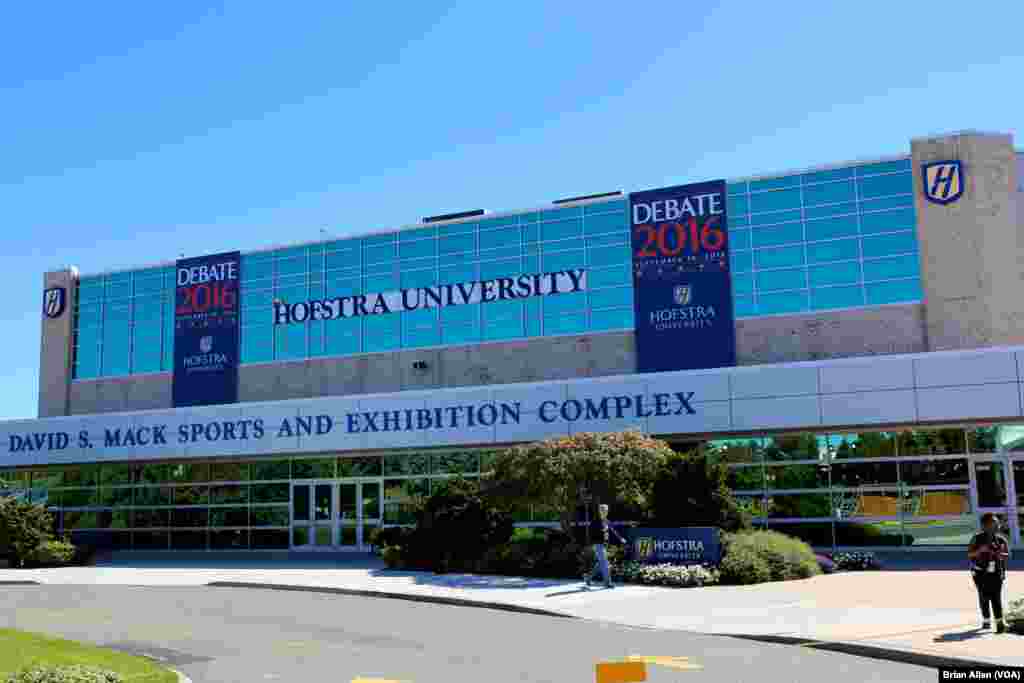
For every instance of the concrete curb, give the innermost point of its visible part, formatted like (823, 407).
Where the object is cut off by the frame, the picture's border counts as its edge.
(20, 583)
(436, 599)
(924, 659)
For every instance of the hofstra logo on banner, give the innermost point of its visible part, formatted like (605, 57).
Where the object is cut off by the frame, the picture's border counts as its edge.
(438, 296)
(943, 181)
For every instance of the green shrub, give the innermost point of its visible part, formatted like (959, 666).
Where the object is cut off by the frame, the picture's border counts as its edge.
(852, 561)
(758, 556)
(392, 556)
(64, 674)
(53, 554)
(23, 528)
(691, 490)
(1014, 616)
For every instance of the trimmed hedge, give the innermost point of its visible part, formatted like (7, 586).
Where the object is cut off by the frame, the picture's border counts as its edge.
(64, 674)
(759, 556)
(671, 575)
(53, 554)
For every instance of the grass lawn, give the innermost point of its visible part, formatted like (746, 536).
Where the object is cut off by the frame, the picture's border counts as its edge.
(20, 650)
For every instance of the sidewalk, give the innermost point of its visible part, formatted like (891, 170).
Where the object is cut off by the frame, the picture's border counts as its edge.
(922, 612)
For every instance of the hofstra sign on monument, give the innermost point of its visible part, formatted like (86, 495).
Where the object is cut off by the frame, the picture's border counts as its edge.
(437, 296)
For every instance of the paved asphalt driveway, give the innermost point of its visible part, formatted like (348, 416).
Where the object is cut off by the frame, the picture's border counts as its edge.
(222, 635)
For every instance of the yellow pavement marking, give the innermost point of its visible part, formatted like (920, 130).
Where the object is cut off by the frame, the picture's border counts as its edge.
(682, 663)
(621, 672)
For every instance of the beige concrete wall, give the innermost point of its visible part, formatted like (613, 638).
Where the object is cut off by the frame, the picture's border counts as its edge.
(972, 251)
(55, 346)
(869, 331)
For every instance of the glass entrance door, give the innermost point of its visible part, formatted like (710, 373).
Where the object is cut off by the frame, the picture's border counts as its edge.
(313, 505)
(996, 481)
(359, 512)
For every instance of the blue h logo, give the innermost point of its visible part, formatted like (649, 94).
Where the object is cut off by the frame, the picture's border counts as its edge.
(943, 181)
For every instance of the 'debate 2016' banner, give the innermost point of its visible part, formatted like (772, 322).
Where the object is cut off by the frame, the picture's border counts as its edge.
(682, 289)
(206, 330)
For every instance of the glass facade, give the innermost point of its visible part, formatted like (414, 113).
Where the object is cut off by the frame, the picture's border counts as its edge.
(901, 488)
(803, 242)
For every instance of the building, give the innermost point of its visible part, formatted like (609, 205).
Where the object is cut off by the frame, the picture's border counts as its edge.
(850, 339)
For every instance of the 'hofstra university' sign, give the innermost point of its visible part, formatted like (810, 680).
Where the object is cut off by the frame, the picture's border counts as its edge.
(438, 296)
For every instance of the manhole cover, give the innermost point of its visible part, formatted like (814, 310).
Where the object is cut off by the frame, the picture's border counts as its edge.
(161, 654)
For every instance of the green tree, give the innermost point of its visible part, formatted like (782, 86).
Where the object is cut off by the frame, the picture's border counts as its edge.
(693, 490)
(24, 528)
(616, 468)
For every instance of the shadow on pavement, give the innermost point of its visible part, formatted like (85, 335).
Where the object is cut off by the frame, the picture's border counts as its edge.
(960, 636)
(240, 560)
(572, 591)
(470, 581)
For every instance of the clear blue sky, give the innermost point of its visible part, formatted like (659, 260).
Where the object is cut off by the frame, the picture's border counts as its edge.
(132, 132)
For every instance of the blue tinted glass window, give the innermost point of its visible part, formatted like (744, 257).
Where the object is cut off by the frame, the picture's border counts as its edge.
(825, 176)
(257, 270)
(739, 239)
(422, 337)
(418, 249)
(507, 268)
(293, 266)
(340, 287)
(894, 291)
(463, 273)
(90, 289)
(611, 222)
(561, 230)
(380, 283)
(565, 302)
(741, 261)
(831, 228)
(612, 319)
(416, 235)
(738, 221)
(336, 259)
(774, 183)
(775, 201)
(830, 210)
(457, 243)
(115, 359)
(88, 336)
(605, 240)
(737, 205)
(602, 207)
(461, 334)
(775, 218)
(743, 307)
(847, 272)
(604, 277)
(514, 251)
(528, 217)
(503, 328)
(492, 239)
(606, 256)
(379, 253)
(381, 333)
(573, 323)
(87, 363)
(893, 267)
(829, 193)
(778, 235)
(460, 315)
(742, 284)
(561, 214)
(886, 245)
(610, 298)
(887, 221)
(376, 240)
(836, 250)
(418, 278)
(883, 185)
(781, 279)
(291, 341)
(146, 359)
(738, 187)
(531, 264)
(900, 201)
(783, 302)
(836, 297)
(342, 336)
(779, 258)
(149, 282)
(884, 167)
(461, 228)
(498, 222)
(564, 260)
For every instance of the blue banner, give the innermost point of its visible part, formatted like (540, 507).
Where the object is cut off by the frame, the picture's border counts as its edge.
(682, 545)
(206, 330)
(681, 284)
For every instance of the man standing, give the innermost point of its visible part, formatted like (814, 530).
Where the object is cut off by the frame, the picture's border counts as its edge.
(600, 531)
(989, 552)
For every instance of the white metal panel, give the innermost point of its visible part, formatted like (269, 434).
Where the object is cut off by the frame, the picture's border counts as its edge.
(765, 382)
(707, 385)
(868, 407)
(776, 413)
(966, 403)
(712, 416)
(463, 433)
(865, 375)
(966, 368)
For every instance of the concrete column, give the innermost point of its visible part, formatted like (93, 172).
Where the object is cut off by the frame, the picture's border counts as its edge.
(971, 250)
(55, 348)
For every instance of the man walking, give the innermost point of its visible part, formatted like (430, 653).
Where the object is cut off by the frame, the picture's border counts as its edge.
(989, 552)
(600, 532)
